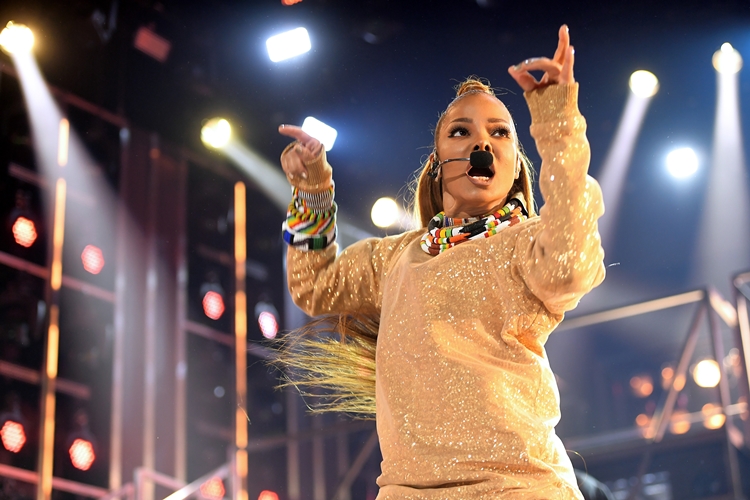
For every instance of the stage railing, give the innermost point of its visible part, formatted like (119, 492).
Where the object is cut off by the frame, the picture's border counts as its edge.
(713, 307)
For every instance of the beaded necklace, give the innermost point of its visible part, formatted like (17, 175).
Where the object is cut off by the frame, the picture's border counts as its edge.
(446, 232)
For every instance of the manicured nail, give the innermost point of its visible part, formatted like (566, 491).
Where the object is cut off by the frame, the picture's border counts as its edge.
(517, 67)
(303, 175)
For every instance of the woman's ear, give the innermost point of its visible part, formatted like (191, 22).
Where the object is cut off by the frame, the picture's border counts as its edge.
(519, 166)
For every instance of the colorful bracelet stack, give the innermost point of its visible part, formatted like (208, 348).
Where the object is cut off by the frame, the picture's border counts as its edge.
(310, 220)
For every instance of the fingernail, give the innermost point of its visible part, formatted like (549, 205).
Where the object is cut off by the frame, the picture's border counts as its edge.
(303, 175)
(517, 67)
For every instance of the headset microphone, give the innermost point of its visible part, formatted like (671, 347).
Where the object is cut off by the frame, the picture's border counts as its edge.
(480, 159)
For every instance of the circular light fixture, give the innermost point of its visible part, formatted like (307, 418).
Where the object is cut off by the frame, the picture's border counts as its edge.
(13, 436)
(92, 259)
(82, 454)
(385, 212)
(213, 305)
(707, 373)
(16, 38)
(644, 83)
(682, 163)
(727, 60)
(216, 133)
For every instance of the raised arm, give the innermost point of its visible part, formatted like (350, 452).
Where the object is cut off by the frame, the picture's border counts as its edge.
(320, 281)
(561, 258)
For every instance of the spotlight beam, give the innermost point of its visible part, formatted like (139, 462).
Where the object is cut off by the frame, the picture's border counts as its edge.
(272, 182)
(724, 248)
(615, 166)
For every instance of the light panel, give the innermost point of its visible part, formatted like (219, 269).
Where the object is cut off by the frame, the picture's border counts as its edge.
(288, 44)
(321, 131)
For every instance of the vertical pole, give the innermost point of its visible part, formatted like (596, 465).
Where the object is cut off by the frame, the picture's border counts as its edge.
(240, 333)
(118, 348)
(150, 311)
(318, 460)
(45, 458)
(180, 428)
(292, 445)
(342, 454)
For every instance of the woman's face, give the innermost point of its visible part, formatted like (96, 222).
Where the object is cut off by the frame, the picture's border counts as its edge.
(477, 122)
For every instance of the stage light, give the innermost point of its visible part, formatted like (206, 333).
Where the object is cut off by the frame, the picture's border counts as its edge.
(727, 60)
(213, 305)
(680, 422)
(216, 133)
(667, 374)
(288, 44)
(13, 436)
(267, 317)
(93, 259)
(82, 454)
(213, 489)
(24, 232)
(319, 130)
(642, 420)
(269, 327)
(707, 373)
(644, 83)
(268, 495)
(642, 385)
(682, 163)
(713, 416)
(16, 38)
(385, 212)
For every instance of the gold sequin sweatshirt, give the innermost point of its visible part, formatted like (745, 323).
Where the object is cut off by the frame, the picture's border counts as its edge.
(466, 401)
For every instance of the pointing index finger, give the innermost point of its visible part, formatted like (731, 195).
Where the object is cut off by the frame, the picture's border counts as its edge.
(295, 132)
(562, 43)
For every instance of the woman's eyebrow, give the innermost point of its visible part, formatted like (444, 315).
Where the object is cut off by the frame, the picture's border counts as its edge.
(489, 120)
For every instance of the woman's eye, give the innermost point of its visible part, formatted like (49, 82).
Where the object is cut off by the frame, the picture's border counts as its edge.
(458, 132)
(501, 132)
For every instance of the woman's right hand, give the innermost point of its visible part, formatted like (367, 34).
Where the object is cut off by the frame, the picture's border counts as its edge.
(306, 149)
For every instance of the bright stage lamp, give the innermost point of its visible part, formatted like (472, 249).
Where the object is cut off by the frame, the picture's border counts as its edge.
(213, 489)
(92, 259)
(288, 44)
(682, 163)
(707, 373)
(319, 130)
(727, 60)
(644, 83)
(213, 305)
(385, 212)
(13, 436)
(16, 38)
(24, 232)
(82, 454)
(216, 133)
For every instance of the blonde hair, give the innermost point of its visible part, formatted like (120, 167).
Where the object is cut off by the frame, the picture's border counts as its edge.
(331, 361)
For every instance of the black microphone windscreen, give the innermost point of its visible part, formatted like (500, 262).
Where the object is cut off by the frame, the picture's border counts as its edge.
(481, 159)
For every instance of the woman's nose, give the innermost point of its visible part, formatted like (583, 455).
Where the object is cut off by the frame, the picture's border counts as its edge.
(483, 146)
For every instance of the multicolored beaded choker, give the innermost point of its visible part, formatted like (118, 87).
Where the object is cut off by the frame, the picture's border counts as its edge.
(446, 232)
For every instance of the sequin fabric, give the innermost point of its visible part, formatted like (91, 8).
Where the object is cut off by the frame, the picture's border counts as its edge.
(466, 400)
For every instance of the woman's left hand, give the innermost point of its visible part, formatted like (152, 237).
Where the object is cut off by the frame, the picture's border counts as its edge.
(559, 69)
